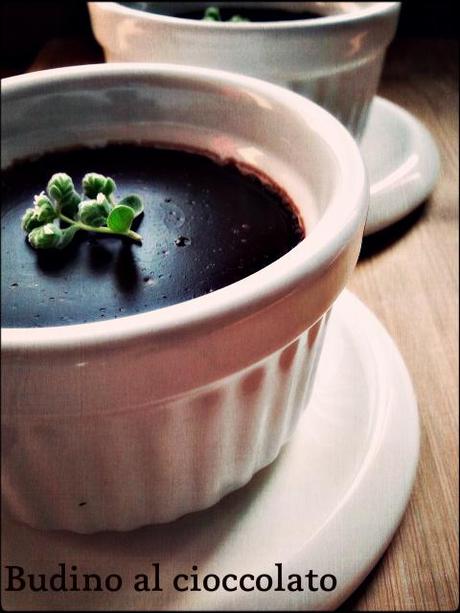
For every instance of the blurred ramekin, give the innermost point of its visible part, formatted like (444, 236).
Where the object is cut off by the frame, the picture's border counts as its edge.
(148, 417)
(334, 60)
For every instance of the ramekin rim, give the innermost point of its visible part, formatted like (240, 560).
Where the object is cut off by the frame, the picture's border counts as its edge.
(326, 21)
(320, 247)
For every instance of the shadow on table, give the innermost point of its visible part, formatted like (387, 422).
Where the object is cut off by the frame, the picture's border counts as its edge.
(377, 242)
(353, 601)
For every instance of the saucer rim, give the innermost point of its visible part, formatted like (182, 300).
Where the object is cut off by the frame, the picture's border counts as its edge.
(406, 200)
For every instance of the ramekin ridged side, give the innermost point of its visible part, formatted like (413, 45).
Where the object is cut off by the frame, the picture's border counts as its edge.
(347, 93)
(119, 471)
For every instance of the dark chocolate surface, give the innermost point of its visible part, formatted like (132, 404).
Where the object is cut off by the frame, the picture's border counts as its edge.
(205, 226)
(253, 14)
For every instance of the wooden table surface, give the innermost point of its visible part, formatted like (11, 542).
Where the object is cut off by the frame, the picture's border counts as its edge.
(408, 275)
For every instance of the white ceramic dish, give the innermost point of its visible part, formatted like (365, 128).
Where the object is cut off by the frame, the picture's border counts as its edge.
(148, 417)
(330, 503)
(335, 60)
(402, 161)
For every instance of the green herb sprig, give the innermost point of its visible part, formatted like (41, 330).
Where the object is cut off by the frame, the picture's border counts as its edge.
(95, 211)
(212, 13)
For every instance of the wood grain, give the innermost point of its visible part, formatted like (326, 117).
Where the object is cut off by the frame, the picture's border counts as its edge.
(408, 275)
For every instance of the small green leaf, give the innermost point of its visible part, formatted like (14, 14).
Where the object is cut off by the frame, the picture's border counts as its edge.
(94, 183)
(238, 19)
(61, 189)
(120, 218)
(29, 220)
(110, 187)
(42, 200)
(94, 212)
(46, 212)
(67, 235)
(212, 13)
(42, 213)
(45, 237)
(134, 202)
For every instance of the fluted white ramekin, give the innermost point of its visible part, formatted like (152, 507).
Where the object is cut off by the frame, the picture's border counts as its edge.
(335, 60)
(145, 418)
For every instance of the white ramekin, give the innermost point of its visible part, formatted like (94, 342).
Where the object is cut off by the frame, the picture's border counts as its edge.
(334, 60)
(151, 416)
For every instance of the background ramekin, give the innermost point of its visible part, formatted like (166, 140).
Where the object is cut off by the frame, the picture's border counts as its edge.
(151, 416)
(334, 60)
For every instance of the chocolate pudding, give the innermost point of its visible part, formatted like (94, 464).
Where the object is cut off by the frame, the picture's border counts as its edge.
(255, 14)
(205, 225)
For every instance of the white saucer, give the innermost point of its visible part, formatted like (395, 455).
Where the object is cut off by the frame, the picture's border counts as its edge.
(330, 503)
(402, 160)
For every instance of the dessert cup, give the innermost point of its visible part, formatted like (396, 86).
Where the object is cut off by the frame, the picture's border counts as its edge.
(335, 60)
(120, 423)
